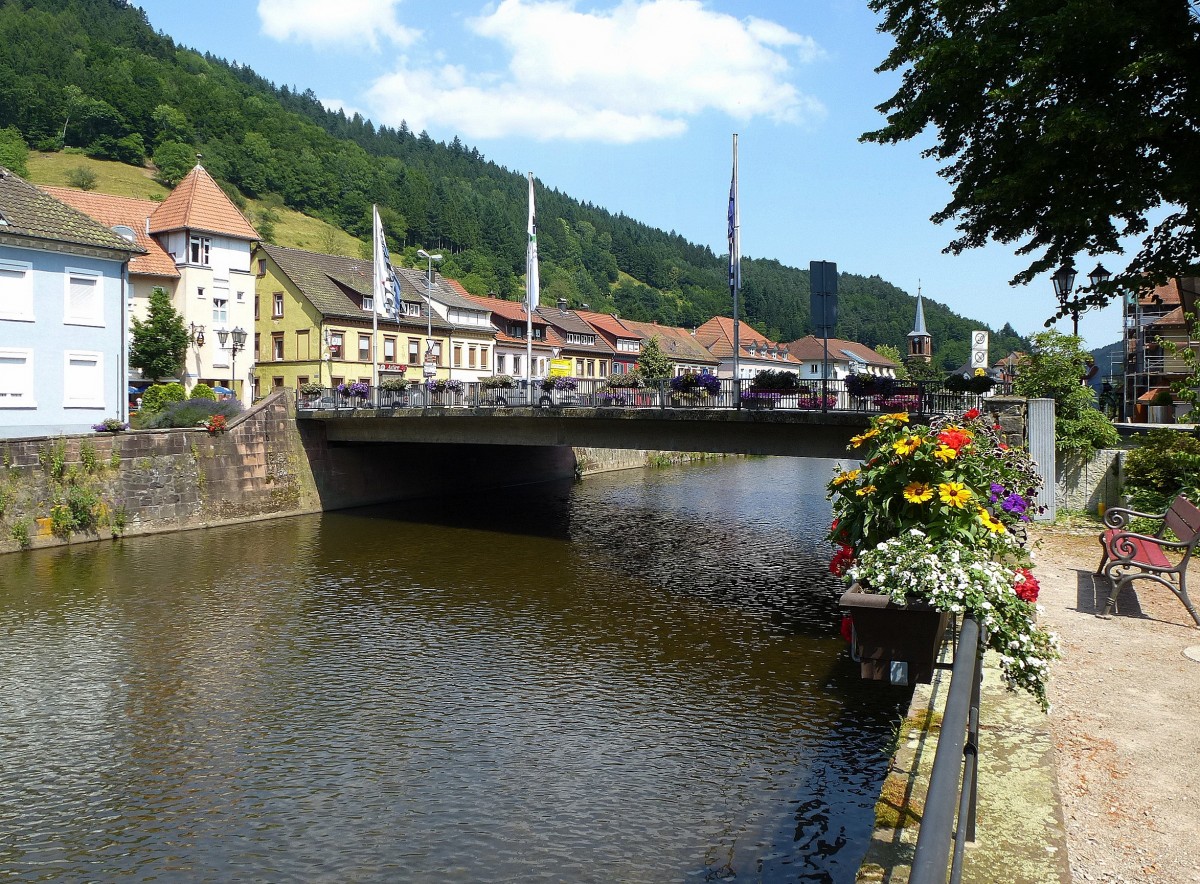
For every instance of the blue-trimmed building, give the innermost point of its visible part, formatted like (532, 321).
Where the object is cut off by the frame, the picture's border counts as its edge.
(63, 278)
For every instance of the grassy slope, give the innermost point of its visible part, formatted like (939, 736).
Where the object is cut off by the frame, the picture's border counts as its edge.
(293, 229)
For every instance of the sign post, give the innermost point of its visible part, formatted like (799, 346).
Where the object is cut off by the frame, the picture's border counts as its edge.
(822, 281)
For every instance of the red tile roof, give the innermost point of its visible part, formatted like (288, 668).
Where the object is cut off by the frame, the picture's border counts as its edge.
(111, 211)
(812, 347)
(198, 203)
(717, 336)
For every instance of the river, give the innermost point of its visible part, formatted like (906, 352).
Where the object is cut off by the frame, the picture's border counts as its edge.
(634, 678)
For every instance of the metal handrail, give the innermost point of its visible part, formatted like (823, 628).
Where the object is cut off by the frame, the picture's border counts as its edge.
(940, 846)
(835, 395)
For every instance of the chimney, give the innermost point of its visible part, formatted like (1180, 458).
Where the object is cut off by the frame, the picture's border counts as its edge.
(562, 304)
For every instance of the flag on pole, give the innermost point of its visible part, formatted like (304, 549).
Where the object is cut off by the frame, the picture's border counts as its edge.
(385, 290)
(735, 245)
(532, 282)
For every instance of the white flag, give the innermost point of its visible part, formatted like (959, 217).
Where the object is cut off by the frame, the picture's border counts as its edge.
(384, 291)
(532, 283)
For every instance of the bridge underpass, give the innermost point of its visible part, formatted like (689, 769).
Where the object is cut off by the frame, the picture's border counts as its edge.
(778, 433)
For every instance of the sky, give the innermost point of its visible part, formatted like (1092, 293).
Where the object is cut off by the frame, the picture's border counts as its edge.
(632, 105)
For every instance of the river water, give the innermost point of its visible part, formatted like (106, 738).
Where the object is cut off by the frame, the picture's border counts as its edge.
(634, 678)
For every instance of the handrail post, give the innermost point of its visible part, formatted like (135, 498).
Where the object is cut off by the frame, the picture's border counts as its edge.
(931, 860)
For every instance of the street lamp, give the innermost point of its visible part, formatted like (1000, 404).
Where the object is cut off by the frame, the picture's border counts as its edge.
(239, 343)
(1064, 284)
(196, 334)
(421, 253)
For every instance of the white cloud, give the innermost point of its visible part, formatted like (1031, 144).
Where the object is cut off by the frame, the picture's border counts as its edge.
(345, 22)
(635, 72)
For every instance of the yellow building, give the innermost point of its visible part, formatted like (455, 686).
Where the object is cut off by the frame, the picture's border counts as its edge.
(314, 324)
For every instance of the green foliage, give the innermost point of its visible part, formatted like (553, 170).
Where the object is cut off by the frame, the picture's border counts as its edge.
(776, 380)
(158, 397)
(496, 382)
(87, 457)
(173, 161)
(19, 531)
(1162, 397)
(1066, 151)
(1054, 370)
(118, 520)
(203, 391)
(53, 459)
(653, 362)
(1164, 464)
(633, 379)
(82, 177)
(1187, 389)
(190, 413)
(14, 152)
(888, 351)
(159, 342)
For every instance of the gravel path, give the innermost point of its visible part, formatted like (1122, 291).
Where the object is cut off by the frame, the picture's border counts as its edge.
(1125, 718)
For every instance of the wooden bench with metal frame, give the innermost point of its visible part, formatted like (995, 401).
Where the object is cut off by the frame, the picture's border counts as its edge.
(1129, 555)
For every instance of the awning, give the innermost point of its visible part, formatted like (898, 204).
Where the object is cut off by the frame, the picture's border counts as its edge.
(219, 389)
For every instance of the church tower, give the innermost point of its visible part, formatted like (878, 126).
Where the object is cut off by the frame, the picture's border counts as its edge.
(920, 342)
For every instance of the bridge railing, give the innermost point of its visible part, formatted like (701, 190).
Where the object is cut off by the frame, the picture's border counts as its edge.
(833, 395)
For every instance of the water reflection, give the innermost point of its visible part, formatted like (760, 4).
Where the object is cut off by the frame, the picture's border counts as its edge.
(635, 679)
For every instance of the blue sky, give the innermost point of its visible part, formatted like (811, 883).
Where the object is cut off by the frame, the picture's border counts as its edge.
(632, 106)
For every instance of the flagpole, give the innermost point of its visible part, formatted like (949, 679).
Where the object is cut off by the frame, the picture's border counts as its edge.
(377, 232)
(531, 292)
(735, 269)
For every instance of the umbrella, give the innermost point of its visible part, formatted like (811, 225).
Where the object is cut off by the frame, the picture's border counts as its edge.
(219, 389)
(133, 389)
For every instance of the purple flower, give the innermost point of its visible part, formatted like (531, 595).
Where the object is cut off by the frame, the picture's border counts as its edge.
(1015, 503)
(997, 492)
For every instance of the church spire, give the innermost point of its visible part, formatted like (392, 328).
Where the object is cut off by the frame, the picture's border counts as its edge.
(920, 342)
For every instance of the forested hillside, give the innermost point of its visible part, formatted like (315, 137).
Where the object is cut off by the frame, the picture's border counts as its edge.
(93, 76)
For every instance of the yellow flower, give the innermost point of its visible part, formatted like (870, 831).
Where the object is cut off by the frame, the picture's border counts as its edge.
(988, 522)
(843, 478)
(856, 441)
(945, 453)
(899, 417)
(906, 445)
(956, 494)
(979, 372)
(917, 492)
(863, 492)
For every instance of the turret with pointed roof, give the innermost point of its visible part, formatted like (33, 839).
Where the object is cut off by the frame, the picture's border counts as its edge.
(199, 204)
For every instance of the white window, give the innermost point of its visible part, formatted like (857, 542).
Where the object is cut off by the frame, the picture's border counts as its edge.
(83, 379)
(277, 305)
(16, 379)
(389, 349)
(220, 314)
(364, 348)
(199, 250)
(85, 304)
(16, 290)
(369, 303)
(501, 362)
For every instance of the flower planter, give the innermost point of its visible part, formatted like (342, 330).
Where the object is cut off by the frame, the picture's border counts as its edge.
(895, 643)
(756, 403)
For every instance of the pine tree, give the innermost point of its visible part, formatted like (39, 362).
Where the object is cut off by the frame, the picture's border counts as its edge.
(653, 361)
(159, 344)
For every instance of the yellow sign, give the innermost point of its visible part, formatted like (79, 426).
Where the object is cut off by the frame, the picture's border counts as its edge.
(561, 368)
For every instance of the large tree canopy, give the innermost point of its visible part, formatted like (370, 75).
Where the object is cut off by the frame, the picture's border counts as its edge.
(1063, 125)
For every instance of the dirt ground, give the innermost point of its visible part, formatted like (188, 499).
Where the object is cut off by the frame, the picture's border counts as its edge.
(1125, 717)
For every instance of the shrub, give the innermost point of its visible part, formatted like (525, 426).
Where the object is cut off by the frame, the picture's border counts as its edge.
(559, 383)
(776, 380)
(110, 425)
(82, 177)
(190, 413)
(310, 389)
(630, 380)
(1162, 397)
(693, 382)
(159, 396)
(203, 391)
(860, 385)
(1165, 463)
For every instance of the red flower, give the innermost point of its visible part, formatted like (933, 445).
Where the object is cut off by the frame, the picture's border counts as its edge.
(955, 439)
(971, 415)
(847, 628)
(1026, 587)
(842, 559)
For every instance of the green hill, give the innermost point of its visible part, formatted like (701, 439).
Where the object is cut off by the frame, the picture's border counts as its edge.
(93, 75)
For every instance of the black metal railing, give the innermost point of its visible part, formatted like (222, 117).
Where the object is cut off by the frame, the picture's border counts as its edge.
(940, 842)
(833, 395)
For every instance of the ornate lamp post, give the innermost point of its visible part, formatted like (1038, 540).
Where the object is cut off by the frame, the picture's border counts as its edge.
(429, 361)
(1064, 285)
(239, 344)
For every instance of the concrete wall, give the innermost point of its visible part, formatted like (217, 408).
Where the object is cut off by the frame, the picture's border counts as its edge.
(1085, 483)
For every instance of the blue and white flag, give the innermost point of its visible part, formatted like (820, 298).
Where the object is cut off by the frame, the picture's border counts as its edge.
(532, 283)
(386, 289)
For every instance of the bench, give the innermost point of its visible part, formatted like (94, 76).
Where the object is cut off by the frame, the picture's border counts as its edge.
(1129, 556)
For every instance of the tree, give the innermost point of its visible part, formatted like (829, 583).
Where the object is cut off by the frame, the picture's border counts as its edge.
(14, 152)
(1054, 370)
(653, 362)
(887, 351)
(174, 161)
(159, 343)
(1062, 123)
